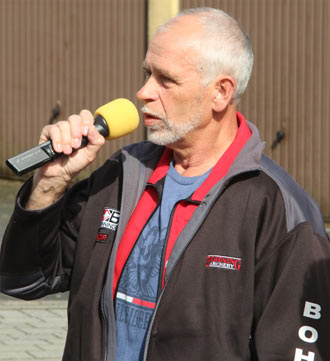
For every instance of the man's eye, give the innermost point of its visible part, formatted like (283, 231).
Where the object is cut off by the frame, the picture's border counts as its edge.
(166, 80)
(146, 76)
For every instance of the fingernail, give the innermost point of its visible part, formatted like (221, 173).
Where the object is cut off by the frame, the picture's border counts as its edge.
(76, 143)
(67, 149)
(85, 131)
(59, 147)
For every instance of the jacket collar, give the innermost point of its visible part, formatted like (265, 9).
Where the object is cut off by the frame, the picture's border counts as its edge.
(142, 158)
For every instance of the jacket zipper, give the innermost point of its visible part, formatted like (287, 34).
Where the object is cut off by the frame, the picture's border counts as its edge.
(146, 345)
(162, 262)
(105, 327)
(163, 266)
(157, 304)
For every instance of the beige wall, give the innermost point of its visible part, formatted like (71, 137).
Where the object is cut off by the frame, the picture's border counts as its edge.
(159, 12)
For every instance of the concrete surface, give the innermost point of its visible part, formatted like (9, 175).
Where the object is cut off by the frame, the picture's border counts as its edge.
(33, 330)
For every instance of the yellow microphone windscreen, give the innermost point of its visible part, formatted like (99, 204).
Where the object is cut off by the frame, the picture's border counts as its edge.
(121, 117)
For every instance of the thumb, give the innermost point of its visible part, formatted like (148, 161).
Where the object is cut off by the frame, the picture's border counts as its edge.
(95, 141)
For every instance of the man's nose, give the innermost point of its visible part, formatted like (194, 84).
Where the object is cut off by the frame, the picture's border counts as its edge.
(148, 92)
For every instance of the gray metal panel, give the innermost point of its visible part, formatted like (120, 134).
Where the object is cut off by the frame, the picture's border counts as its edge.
(81, 52)
(290, 85)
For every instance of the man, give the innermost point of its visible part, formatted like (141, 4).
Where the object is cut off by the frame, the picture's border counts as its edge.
(193, 246)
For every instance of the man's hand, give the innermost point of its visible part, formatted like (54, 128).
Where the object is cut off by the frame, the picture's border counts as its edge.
(51, 180)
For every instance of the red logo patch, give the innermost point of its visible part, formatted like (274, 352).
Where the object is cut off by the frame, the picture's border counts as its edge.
(101, 237)
(225, 262)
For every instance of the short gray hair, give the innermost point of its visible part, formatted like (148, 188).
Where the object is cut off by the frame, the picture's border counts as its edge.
(224, 49)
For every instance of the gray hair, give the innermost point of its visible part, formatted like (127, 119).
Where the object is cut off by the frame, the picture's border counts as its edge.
(224, 48)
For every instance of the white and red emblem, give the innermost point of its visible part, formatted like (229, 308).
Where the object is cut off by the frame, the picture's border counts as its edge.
(110, 219)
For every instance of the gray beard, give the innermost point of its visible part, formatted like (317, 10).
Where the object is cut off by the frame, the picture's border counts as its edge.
(170, 132)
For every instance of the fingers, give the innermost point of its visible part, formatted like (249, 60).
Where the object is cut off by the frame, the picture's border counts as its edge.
(64, 141)
(67, 135)
(95, 140)
(87, 121)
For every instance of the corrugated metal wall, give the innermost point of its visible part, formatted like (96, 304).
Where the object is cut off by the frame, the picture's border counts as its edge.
(290, 87)
(81, 52)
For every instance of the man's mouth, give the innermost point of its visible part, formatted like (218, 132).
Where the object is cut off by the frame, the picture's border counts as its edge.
(150, 118)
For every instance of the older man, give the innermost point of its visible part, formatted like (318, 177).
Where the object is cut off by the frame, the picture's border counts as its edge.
(192, 246)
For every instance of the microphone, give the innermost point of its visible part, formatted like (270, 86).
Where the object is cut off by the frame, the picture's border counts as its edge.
(112, 120)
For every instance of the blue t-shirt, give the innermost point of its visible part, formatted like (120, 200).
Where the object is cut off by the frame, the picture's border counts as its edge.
(136, 295)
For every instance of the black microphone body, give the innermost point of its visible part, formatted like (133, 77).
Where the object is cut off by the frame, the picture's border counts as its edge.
(45, 153)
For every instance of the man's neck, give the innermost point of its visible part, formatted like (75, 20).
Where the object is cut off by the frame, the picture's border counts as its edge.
(201, 150)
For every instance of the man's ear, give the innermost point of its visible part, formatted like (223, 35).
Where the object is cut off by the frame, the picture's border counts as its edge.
(224, 91)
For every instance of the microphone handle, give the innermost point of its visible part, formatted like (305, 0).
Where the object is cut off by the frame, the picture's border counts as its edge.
(45, 153)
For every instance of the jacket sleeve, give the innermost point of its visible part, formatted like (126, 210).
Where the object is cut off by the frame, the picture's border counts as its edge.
(292, 299)
(38, 246)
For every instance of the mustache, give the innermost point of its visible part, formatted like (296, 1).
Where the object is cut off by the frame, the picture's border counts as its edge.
(146, 110)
